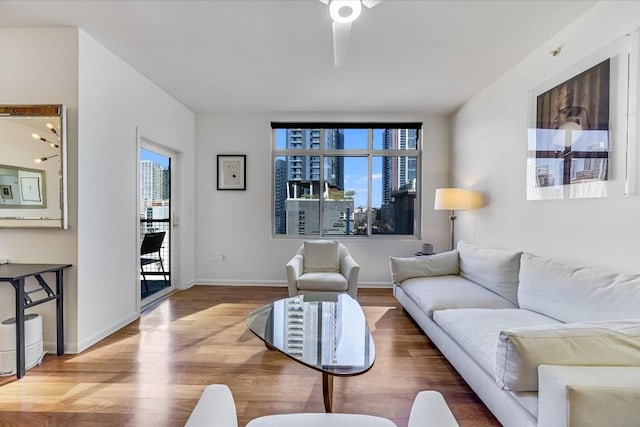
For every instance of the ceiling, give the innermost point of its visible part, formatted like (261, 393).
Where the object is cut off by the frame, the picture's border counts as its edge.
(276, 55)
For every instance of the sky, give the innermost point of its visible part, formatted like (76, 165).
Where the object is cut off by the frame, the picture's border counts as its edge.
(145, 154)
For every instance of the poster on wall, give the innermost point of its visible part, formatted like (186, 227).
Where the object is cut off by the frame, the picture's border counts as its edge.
(569, 146)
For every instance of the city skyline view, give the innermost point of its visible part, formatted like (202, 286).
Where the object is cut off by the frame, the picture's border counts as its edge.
(366, 184)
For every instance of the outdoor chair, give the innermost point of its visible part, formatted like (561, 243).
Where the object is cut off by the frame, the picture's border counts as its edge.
(151, 244)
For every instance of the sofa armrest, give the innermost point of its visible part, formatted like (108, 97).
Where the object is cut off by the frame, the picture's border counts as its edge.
(581, 396)
(430, 409)
(294, 270)
(350, 270)
(214, 409)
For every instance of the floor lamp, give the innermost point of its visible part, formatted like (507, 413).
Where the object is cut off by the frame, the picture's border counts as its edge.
(452, 199)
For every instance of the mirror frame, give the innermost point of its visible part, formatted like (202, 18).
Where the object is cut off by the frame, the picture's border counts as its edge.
(50, 110)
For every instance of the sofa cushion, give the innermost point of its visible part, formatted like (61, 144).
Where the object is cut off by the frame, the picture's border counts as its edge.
(321, 255)
(328, 282)
(424, 266)
(495, 269)
(442, 292)
(576, 294)
(522, 349)
(477, 330)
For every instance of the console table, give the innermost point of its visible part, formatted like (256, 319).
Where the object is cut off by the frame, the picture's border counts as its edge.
(16, 275)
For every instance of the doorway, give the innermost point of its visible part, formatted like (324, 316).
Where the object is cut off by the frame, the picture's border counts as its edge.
(155, 213)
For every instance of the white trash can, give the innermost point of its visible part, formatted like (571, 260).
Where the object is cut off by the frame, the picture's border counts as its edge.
(34, 351)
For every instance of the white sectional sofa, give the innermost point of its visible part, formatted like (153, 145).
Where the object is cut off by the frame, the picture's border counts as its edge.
(539, 341)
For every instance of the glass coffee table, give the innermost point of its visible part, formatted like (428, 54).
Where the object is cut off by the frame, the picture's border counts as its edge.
(325, 331)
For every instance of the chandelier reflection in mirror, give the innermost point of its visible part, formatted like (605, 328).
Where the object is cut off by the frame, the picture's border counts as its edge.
(33, 196)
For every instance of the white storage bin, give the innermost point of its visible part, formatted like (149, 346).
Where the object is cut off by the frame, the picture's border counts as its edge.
(34, 351)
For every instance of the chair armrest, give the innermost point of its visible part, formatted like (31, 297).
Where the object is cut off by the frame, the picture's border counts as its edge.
(294, 270)
(214, 409)
(350, 270)
(430, 409)
(579, 396)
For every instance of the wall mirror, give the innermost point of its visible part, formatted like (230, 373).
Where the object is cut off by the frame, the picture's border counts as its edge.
(33, 166)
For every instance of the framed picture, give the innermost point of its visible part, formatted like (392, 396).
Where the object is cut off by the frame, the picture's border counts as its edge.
(5, 192)
(30, 186)
(232, 172)
(569, 142)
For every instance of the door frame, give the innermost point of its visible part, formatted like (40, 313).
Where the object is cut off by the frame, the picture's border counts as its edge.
(149, 144)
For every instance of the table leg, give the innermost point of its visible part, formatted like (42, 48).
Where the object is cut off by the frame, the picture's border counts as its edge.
(327, 391)
(20, 365)
(59, 315)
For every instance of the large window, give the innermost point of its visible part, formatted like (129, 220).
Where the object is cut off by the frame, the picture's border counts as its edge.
(337, 179)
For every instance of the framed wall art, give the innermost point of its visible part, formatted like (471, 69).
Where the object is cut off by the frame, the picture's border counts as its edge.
(232, 172)
(6, 192)
(575, 119)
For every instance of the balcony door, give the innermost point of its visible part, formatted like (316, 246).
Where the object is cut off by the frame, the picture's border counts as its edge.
(155, 213)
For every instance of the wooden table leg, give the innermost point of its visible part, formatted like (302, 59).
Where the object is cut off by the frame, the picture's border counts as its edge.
(327, 391)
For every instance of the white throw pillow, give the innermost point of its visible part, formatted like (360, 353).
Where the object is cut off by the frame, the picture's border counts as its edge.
(522, 350)
(494, 269)
(321, 255)
(424, 266)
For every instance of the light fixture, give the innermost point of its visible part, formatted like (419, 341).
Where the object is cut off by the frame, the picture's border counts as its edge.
(453, 199)
(53, 129)
(43, 139)
(345, 11)
(44, 159)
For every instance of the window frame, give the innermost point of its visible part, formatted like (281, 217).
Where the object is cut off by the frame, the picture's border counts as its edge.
(369, 153)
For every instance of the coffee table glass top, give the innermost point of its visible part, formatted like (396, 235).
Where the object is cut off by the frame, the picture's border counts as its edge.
(325, 331)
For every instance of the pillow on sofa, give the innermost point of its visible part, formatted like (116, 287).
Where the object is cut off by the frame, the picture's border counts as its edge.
(494, 269)
(522, 350)
(424, 266)
(321, 255)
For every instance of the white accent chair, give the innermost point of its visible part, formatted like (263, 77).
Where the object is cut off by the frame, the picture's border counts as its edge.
(322, 266)
(216, 408)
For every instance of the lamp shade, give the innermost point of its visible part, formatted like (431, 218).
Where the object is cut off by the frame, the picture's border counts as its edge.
(453, 199)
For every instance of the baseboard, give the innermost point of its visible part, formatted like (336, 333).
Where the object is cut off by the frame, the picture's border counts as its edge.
(232, 282)
(273, 283)
(73, 348)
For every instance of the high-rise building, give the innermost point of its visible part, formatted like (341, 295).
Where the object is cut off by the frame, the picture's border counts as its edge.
(399, 176)
(399, 173)
(297, 181)
(303, 174)
(280, 187)
(151, 181)
(166, 184)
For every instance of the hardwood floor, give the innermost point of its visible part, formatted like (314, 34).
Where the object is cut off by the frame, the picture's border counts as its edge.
(151, 373)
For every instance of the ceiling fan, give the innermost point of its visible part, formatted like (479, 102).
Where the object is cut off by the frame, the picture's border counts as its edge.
(343, 13)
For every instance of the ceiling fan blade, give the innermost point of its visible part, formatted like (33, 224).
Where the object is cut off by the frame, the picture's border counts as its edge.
(341, 34)
(370, 3)
(324, 1)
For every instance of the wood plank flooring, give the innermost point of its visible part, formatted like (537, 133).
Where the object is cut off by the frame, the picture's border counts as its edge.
(151, 373)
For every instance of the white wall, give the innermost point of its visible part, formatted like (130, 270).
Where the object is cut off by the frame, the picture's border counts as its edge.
(490, 151)
(238, 223)
(115, 101)
(40, 66)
